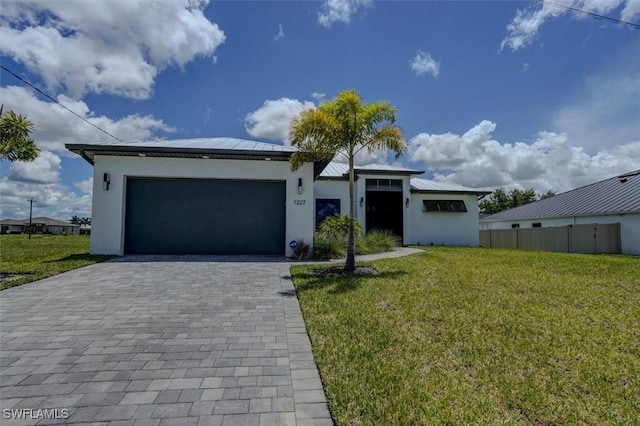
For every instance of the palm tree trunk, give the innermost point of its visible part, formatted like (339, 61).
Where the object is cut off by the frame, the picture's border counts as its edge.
(350, 264)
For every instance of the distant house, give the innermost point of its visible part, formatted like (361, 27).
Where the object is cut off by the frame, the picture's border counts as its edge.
(613, 200)
(39, 225)
(231, 196)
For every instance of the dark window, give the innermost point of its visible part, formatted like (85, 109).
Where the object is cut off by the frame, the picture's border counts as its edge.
(326, 207)
(537, 225)
(447, 206)
(393, 185)
(515, 225)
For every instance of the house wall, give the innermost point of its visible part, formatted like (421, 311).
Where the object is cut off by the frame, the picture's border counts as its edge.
(13, 229)
(444, 228)
(108, 207)
(629, 226)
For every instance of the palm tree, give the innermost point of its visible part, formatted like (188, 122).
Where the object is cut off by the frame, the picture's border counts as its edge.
(345, 126)
(76, 220)
(85, 221)
(15, 143)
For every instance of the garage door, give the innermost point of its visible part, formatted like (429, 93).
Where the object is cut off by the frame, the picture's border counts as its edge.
(204, 216)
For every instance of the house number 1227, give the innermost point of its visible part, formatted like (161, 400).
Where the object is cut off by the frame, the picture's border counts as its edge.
(299, 202)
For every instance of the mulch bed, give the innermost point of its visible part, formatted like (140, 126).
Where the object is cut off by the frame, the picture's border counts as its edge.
(338, 271)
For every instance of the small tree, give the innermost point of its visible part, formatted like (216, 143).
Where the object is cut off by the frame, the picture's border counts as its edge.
(345, 126)
(15, 141)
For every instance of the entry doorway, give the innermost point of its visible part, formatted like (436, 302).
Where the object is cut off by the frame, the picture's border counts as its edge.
(385, 209)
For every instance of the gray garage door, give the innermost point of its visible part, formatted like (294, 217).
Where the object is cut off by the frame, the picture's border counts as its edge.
(204, 216)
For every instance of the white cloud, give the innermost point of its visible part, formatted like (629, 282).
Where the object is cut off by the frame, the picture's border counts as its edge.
(318, 96)
(115, 47)
(423, 63)
(44, 169)
(524, 27)
(339, 11)
(280, 34)
(550, 162)
(526, 67)
(54, 126)
(86, 186)
(272, 119)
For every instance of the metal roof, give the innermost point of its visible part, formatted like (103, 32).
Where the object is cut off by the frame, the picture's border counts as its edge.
(425, 186)
(616, 195)
(218, 148)
(337, 170)
(36, 221)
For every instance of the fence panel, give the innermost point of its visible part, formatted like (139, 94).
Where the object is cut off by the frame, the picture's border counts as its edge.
(586, 238)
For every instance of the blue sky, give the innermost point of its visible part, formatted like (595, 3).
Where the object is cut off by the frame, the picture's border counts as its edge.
(488, 94)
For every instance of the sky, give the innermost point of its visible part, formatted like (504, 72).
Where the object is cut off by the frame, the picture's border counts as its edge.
(488, 94)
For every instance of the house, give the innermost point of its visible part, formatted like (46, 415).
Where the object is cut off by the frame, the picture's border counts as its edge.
(39, 225)
(231, 196)
(613, 200)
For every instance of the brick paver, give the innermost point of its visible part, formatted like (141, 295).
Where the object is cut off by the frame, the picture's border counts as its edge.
(160, 340)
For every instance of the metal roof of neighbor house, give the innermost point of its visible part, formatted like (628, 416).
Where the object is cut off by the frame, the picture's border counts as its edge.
(36, 220)
(426, 186)
(218, 148)
(337, 170)
(616, 195)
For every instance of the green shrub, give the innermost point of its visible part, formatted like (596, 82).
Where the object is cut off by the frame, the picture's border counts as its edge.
(301, 250)
(376, 241)
(329, 248)
(337, 226)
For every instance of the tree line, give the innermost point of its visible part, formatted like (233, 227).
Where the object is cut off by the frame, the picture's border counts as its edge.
(501, 200)
(76, 220)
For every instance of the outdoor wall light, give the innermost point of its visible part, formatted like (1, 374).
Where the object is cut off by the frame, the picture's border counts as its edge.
(361, 201)
(299, 185)
(406, 203)
(106, 180)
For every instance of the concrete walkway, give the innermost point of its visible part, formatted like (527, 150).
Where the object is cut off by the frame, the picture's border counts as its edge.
(160, 341)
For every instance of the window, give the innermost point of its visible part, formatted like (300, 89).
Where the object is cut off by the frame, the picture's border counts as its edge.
(326, 207)
(447, 206)
(389, 185)
(536, 225)
(515, 225)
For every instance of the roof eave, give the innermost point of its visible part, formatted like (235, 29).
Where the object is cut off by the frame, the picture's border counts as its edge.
(616, 213)
(447, 191)
(88, 152)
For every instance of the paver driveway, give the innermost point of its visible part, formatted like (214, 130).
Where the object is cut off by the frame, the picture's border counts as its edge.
(161, 340)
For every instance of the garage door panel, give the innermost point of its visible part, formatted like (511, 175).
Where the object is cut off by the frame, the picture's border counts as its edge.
(201, 216)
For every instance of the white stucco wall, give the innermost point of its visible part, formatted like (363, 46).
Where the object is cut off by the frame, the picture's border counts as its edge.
(108, 207)
(459, 229)
(629, 226)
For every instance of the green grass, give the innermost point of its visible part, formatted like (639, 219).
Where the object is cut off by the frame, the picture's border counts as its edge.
(43, 256)
(479, 336)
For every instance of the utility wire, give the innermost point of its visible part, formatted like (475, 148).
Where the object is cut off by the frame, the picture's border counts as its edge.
(595, 15)
(54, 100)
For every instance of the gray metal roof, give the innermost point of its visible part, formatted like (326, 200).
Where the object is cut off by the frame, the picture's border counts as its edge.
(36, 221)
(338, 170)
(616, 195)
(425, 186)
(219, 148)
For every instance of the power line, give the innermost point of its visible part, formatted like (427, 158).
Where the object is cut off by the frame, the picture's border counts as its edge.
(54, 100)
(595, 15)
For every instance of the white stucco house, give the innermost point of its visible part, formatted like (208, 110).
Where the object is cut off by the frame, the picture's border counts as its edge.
(613, 200)
(231, 196)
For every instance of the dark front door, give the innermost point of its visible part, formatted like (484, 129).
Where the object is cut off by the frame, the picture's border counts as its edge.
(385, 211)
(204, 216)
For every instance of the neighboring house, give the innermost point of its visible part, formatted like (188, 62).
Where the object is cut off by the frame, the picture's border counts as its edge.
(39, 225)
(614, 200)
(231, 196)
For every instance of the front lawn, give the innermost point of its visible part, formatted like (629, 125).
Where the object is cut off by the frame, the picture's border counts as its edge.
(25, 260)
(479, 336)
